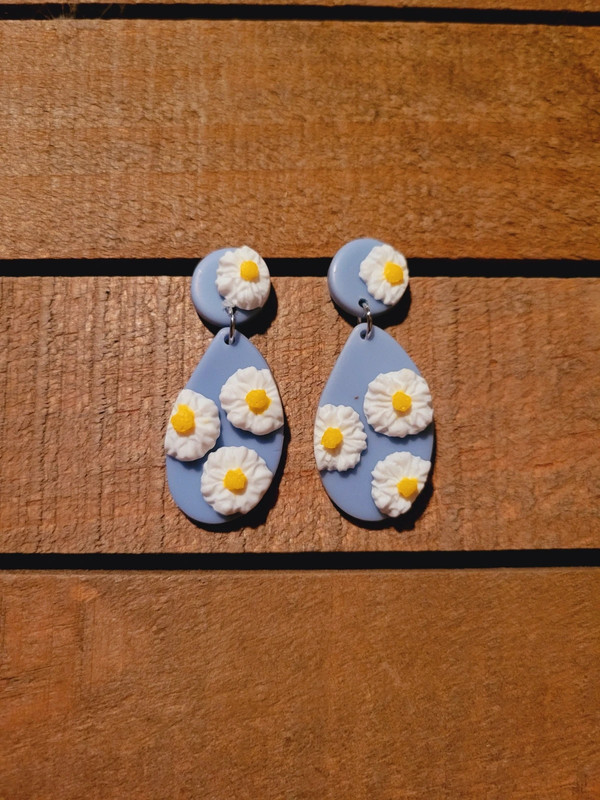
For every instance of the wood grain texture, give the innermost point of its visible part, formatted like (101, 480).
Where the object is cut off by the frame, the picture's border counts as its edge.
(313, 686)
(496, 5)
(89, 368)
(168, 138)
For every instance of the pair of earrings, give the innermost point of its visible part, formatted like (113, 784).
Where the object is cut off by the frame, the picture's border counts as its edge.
(373, 432)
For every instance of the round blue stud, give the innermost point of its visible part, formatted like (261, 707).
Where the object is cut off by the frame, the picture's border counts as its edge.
(207, 300)
(346, 286)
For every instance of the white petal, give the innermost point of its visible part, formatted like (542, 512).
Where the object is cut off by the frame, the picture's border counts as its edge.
(386, 476)
(218, 463)
(371, 271)
(380, 412)
(206, 431)
(348, 454)
(236, 291)
(233, 400)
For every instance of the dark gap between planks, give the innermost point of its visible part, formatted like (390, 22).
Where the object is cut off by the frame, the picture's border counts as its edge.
(451, 560)
(179, 11)
(309, 267)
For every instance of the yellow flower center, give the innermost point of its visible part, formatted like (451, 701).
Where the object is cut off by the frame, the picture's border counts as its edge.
(249, 270)
(401, 402)
(407, 487)
(258, 401)
(235, 480)
(393, 273)
(184, 420)
(332, 438)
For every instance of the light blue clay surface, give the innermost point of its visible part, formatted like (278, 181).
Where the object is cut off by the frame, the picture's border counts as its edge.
(219, 362)
(206, 298)
(360, 361)
(345, 284)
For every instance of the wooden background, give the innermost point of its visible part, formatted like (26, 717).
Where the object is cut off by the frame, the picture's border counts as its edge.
(134, 139)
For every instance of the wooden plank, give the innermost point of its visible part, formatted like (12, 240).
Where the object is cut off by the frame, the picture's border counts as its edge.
(157, 138)
(89, 368)
(416, 684)
(495, 5)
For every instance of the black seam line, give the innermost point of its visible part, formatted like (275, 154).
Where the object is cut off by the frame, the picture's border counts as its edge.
(310, 267)
(400, 561)
(179, 11)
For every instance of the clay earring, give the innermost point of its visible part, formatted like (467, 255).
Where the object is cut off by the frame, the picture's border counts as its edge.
(373, 437)
(225, 432)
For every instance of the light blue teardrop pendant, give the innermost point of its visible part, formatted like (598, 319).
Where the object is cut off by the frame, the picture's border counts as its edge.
(220, 362)
(360, 362)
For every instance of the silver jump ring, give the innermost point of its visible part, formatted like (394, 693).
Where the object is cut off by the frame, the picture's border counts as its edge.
(369, 317)
(231, 325)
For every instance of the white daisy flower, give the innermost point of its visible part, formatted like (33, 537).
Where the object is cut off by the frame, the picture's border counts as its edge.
(397, 481)
(339, 438)
(251, 401)
(234, 480)
(385, 272)
(193, 427)
(243, 279)
(398, 403)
